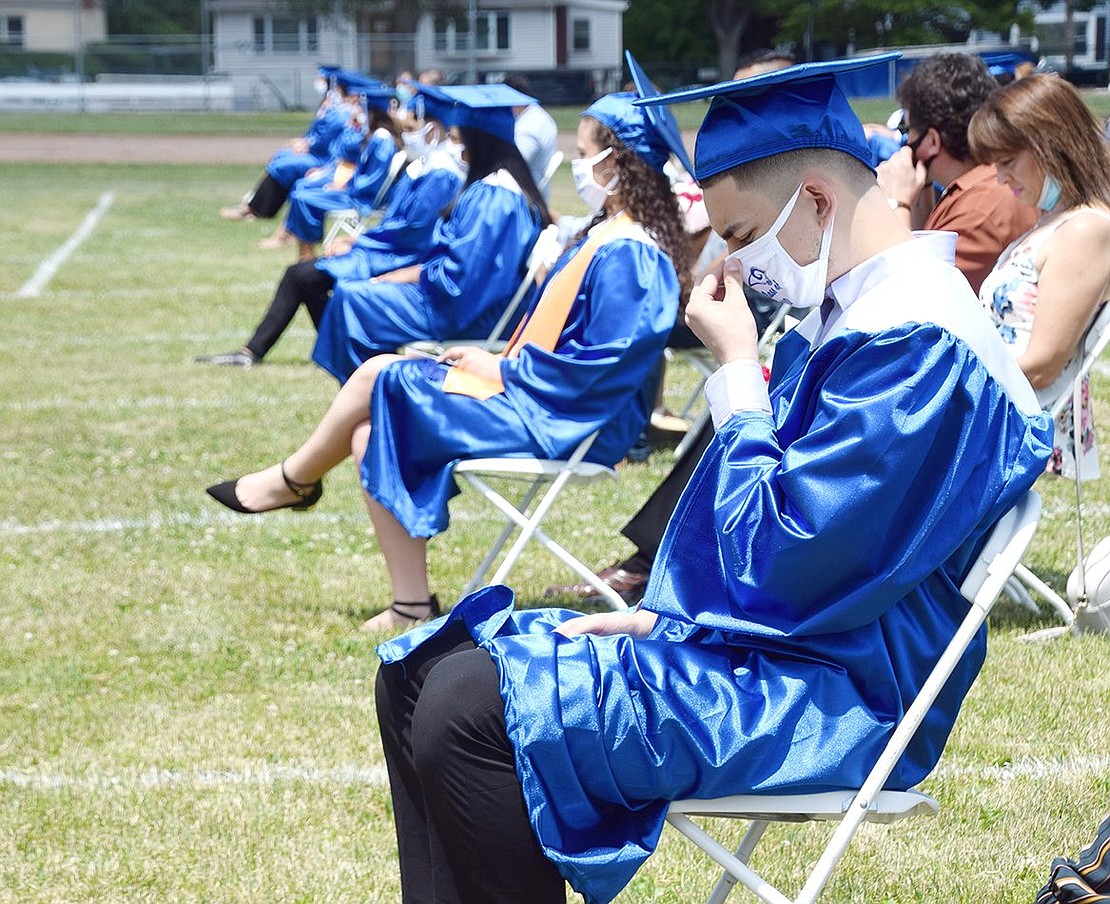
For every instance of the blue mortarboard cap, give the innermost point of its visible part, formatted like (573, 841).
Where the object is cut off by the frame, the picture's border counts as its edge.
(328, 72)
(355, 82)
(785, 110)
(488, 108)
(631, 125)
(661, 118)
(428, 102)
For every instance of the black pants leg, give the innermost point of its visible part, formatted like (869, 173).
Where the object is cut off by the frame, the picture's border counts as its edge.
(646, 527)
(267, 198)
(463, 833)
(302, 283)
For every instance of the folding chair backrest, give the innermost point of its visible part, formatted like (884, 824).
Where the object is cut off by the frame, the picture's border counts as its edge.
(552, 167)
(1001, 552)
(395, 166)
(535, 261)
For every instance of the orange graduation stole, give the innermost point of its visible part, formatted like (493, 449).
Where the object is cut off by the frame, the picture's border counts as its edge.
(548, 317)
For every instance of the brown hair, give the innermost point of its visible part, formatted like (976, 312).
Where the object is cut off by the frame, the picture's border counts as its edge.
(650, 201)
(1045, 115)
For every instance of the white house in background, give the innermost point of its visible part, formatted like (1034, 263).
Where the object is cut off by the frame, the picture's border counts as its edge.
(52, 25)
(1091, 50)
(553, 42)
(271, 56)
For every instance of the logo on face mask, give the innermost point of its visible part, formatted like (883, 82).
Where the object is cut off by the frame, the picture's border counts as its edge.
(771, 270)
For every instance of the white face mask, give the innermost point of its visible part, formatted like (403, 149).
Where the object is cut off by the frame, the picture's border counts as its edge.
(772, 272)
(419, 143)
(454, 150)
(582, 169)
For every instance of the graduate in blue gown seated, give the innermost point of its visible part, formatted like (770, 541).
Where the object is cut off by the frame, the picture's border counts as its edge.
(400, 239)
(313, 150)
(809, 577)
(309, 202)
(477, 255)
(576, 366)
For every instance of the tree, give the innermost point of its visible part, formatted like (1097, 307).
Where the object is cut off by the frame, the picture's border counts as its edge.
(153, 17)
(728, 20)
(863, 24)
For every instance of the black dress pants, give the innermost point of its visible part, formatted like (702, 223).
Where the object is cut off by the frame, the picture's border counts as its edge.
(302, 283)
(646, 527)
(267, 198)
(463, 834)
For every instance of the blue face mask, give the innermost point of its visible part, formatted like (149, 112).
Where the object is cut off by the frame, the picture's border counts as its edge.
(1050, 193)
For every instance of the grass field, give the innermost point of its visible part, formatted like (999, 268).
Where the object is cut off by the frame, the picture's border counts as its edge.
(185, 702)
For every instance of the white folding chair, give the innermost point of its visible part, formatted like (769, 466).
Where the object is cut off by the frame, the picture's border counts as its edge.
(551, 169)
(534, 474)
(493, 342)
(1023, 580)
(702, 360)
(1003, 549)
(352, 222)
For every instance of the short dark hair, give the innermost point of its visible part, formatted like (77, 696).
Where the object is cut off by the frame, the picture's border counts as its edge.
(943, 92)
(765, 55)
(777, 174)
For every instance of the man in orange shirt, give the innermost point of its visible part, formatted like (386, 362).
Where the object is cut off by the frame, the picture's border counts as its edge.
(939, 97)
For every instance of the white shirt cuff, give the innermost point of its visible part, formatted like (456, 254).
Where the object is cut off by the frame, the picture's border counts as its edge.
(736, 386)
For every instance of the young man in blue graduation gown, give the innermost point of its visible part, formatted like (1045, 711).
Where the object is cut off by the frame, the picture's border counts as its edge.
(807, 581)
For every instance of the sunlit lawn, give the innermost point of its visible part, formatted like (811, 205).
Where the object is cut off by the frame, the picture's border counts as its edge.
(185, 700)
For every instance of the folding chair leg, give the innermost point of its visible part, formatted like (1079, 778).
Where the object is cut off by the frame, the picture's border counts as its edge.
(743, 854)
(729, 861)
(1054, 599)
(510, 525)
(691, 434)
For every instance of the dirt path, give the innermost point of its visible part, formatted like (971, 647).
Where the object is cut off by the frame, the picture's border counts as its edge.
(24, 147)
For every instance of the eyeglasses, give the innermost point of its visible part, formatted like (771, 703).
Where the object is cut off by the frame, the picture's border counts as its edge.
(903, 127)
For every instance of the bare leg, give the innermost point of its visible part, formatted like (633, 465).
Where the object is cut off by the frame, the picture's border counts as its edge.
(326, 447)
(306, 251)
(406, 557)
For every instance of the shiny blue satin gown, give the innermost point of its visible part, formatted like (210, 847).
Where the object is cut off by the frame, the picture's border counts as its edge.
(401, 238)
(474, 263)
(805, 585)
(592, 380)
(287, 166)
(309, 202)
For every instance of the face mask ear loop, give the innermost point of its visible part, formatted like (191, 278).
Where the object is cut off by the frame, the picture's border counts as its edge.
(784, 214)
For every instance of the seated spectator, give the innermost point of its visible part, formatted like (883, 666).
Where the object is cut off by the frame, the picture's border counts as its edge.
(314, 150)
(808, 581)
(1048, 285)
(939, 96)
(309, 203)
(401, 239)
(576, 366)
(476, 257)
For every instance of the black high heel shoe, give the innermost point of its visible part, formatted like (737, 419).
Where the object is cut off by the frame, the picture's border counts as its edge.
(308, 494)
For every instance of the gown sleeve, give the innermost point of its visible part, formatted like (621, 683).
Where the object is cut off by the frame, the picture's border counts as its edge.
(820, 520)
(626, 307)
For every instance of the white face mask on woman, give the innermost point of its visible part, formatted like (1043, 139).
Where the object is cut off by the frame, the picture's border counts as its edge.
(771, 271)
(419, 143)
(582, 169)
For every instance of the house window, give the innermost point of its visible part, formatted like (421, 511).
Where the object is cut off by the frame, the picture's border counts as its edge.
(11, 31)
(285, 34)
(580, 34)
(452, 33)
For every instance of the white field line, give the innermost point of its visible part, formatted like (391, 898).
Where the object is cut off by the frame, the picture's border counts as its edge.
(121, 403)
(46, 270)
(266, 774)
(262, 774)
(151, 522)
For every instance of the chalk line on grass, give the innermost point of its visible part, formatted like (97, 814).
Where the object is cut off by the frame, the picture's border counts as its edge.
(46, 270)
(153, 777)
(152, 522)
(268, 774)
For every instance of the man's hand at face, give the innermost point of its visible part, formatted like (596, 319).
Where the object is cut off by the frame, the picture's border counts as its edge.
(718, 314)
(900, 178)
